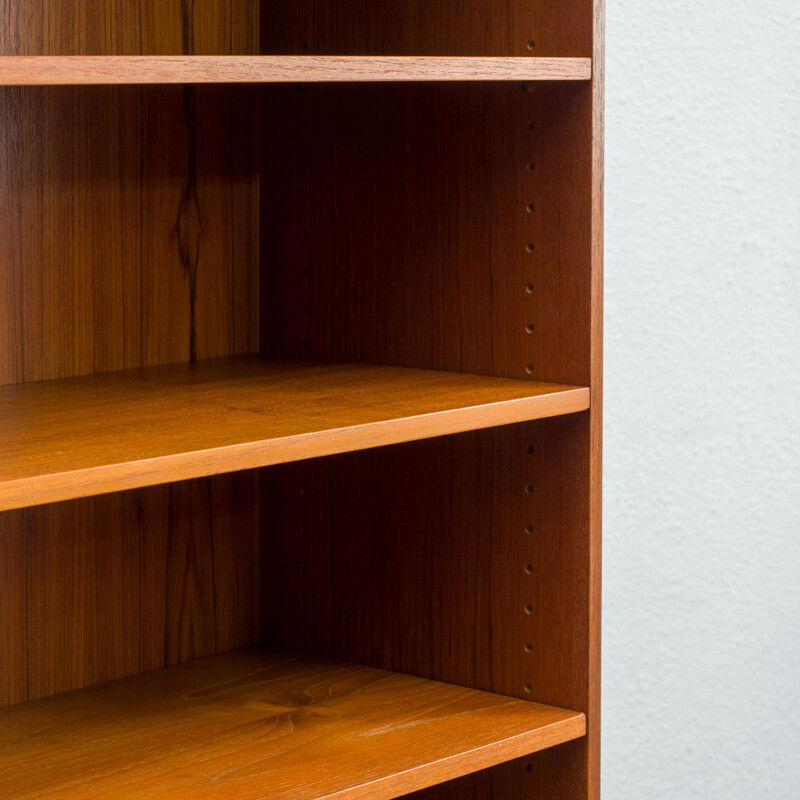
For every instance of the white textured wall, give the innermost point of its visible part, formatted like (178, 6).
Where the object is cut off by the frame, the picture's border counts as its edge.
(702, 461)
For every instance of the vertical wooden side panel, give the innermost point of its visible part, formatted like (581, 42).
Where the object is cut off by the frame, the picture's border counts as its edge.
(434, 226)
(101, 588)
(450, 227)
(543, 618)
(465, 559)
(383, 557)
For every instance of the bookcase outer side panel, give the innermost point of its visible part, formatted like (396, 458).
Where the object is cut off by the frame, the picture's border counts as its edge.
(129, 223)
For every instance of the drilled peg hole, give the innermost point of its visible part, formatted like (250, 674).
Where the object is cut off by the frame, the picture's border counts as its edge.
(530, 208)
(304, 493)
(301, 87)
(304, 271)
(529, 529)
(304, 159)
(530, 247)
(304, 345)
(529, 569)
(304, 45)
(529, 489)
(528, 688)
(531, 166)
(529, 369)
(531, 44)
(529, 609)
(529, 648)
(529, 328)
(531, 125)
(528, 767)
(529, 448)
(529, 288)
(304, 233)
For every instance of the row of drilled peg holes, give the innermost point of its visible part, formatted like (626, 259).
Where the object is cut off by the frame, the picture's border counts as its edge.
(528, 570)
(530, 247)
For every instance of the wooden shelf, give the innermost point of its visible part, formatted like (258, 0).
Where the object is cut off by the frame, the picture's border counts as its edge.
(251, 724)
(84, 436)
(74, 70)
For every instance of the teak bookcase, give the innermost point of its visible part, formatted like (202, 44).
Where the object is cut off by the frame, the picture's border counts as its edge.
(300, 408)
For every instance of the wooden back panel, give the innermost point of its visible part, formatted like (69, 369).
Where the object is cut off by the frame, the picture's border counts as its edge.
(129, 214)
(101, 588)
(129, 217)
(129, 222)
(134, 27)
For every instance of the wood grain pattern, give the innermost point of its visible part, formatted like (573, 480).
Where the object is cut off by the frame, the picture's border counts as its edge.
(83, 436)
(124, 247)
(436, 226)
(433, 184)
(433, 558)
(428, 27)
(135, 27)
(97, 589)
(256, 725)
(128, 218)
(371, 557)
(75, 70)
(495, 190)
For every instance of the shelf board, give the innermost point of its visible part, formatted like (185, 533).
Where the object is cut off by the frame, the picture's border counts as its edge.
(253, 724)
(76, 70)
(78, 437)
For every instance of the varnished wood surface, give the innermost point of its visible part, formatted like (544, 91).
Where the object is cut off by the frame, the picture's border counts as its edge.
(464, 559)
(83, 436)
(135, 27)
(251, 725)
(428, 27)
(128, 217)
(101, 588)
(498, 188)
(75, 70)
(120, 253)
(431, 182)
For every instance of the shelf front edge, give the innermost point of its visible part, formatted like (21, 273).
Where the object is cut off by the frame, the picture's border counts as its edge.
(106, 70)
(106, 478)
